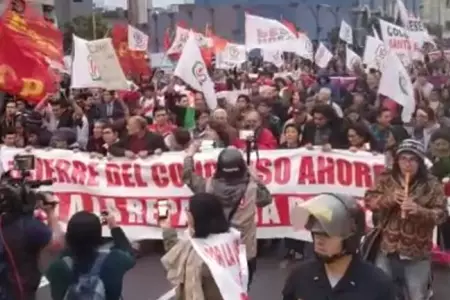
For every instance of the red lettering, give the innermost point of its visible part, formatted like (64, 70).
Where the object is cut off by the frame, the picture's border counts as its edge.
(210, 168)
(228, 254)
(363, 175)
(325, 170)
(159, 175)
(263, 167)
(307, 174)
(112, 173)
(140, 182)
(175, 171)
(282, 170)
(127, 176)
(93, 174)
(79, 172)
(48, 166)
(215, 253)
(344, 172)
(62, 170)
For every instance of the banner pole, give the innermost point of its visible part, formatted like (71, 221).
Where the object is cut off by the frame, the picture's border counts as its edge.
(94, 26)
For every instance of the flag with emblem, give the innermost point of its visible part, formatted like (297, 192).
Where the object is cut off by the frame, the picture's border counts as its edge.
(137, 40)
(396, 84)
(192, 70)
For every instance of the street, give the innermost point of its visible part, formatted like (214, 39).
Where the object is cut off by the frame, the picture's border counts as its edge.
(147, 280)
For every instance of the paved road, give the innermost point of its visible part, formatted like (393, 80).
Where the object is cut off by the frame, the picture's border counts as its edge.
(147, 281)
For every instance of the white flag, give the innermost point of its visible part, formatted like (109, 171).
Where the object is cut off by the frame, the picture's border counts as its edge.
(192, 70)
(396, 84)
(346, 33)
(137, 40)
(397, 40)
(351, 59)
(231, 56)
(85, 73)
(182, 35)
(105, 58)
(273, 56)
(374, 53)
(267, 33)
(323, 56)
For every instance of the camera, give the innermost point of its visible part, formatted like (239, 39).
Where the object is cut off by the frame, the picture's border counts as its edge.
(17, 194)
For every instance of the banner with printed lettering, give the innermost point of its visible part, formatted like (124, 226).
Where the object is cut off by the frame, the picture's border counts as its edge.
(131, 188)
(398, 41)
(267, 33)
(223, 255)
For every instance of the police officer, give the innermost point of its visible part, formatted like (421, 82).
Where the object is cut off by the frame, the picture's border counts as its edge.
(337, 224)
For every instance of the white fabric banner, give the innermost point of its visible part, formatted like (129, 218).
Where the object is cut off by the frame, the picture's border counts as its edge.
(226, 261)
(181, 37)
(132, 188)
(105, 58)
(351, 59)
(192, 70)
(397, 40)
(137, 40)
(396, 84)
(323, 56)
(273, 56)
(346, 33)
(374, 53)
(267, 33)
(233, 55)
(85, 73)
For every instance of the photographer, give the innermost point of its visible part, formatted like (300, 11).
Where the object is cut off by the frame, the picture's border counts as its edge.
(82, 271)
(239, 190)
(23, 238)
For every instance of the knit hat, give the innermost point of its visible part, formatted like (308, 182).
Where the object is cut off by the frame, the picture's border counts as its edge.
(412, 146)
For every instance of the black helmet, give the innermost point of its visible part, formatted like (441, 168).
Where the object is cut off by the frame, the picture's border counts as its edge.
(230, 163)
(333, 214)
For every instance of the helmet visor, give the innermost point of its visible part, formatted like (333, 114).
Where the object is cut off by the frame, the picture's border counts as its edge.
(331, 215)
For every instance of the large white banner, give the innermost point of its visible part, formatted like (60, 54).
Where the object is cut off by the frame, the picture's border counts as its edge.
(131, 188)
(105, 58)
(84, 71)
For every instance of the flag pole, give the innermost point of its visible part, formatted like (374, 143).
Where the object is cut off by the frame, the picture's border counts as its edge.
(94, 25)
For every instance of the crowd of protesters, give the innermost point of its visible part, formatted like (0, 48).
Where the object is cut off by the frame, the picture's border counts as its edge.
(287, 108)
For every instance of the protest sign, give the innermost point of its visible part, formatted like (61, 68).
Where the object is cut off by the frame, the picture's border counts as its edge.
(84, 71)
(397, 40)
(104, 57)
(226, 261)
(131, 188)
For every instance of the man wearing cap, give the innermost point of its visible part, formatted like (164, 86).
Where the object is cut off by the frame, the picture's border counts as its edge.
(337, 224)
(410, 204)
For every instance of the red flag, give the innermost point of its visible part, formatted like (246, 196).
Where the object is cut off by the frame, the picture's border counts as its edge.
(32, 32)
(22, 73)
(132, 62)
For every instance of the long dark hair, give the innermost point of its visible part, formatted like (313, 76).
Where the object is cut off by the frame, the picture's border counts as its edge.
(84, 234)
(209, 217)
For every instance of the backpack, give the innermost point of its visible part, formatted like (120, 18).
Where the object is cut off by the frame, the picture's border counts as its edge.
(88, 286)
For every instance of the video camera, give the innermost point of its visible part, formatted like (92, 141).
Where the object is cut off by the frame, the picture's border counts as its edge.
(17, 194)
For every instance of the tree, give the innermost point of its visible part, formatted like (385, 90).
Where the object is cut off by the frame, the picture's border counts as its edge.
(83, 27)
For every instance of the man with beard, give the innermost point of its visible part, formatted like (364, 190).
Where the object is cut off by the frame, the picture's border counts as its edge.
(337, 224)
(239, 189)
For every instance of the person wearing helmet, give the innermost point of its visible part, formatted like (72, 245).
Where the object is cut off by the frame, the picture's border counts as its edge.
(337, 225)
(239, 189)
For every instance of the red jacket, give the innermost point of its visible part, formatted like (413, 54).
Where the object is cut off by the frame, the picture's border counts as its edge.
(264, 141)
